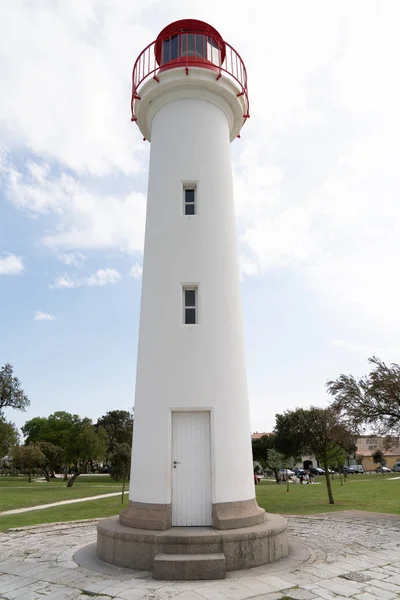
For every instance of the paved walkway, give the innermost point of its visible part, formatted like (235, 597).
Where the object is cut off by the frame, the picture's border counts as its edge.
(16, 511)
(350, 555)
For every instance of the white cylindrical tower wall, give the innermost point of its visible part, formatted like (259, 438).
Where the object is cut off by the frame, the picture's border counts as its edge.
(200, 366)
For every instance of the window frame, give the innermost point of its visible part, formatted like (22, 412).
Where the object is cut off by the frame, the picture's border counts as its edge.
(190, 287)
(188, 186)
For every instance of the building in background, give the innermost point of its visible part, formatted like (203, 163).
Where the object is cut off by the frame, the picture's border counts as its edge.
(368, 444)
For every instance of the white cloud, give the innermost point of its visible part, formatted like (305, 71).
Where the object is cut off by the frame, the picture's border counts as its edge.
(75, 259)
(75, 60)
(336, 220)
(136, 271)
(98, 279)
(11, 265)
(42, 316)
(87, 218)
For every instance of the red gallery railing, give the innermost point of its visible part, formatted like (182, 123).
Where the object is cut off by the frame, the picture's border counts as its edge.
(186, 50)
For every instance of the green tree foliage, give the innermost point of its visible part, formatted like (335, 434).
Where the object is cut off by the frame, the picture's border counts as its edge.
(378, 457)
(85, 444)
(118, 425)
(11, 393)
(54, 429)
(28, 458)
(121, 463)
(266, 453)
(53, 459)
(317, 431)
(372, 400)
(8, 437)
(33, 430)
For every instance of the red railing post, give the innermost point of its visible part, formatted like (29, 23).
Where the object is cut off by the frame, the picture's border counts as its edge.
(157, 55)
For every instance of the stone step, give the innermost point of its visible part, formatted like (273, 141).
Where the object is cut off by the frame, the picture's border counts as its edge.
(189, 566)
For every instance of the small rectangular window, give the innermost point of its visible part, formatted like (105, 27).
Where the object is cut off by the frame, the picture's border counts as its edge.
(190, 305)
(189, 200)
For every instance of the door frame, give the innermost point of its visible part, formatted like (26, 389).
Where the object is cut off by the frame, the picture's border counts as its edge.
(208, 409)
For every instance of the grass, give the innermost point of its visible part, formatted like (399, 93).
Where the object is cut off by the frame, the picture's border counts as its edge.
(374, 493)
(16, 492)
(106, 507)
(360, 492)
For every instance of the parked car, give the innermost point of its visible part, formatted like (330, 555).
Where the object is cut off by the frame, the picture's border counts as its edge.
(396, 467)
(316, 471)
(383, 470)
(299, 472)
(349, 470)
(287, 472)
(358, 468)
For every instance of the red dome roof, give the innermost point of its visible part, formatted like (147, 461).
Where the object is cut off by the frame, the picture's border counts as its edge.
(189, 26)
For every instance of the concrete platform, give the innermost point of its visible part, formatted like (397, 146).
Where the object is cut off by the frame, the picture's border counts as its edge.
(334, 555)
(243, 548)
(189, 566)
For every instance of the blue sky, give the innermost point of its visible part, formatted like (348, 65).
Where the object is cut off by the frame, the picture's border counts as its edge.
(316, 192)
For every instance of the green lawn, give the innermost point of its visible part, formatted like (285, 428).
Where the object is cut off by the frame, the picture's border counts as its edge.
(16, 492)
(106, 507)
(374, 493)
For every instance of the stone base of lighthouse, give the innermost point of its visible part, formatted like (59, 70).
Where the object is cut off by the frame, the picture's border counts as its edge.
(183, 553)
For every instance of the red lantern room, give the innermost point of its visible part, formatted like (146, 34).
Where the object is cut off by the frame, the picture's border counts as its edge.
(188, 44)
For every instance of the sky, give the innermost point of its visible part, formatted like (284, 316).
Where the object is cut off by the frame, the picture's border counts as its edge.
(316, 181)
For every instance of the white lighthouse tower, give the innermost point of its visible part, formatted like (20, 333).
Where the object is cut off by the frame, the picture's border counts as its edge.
(191, 459)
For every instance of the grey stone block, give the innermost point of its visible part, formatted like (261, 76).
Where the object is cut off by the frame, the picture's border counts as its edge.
(243, 548)
(234, 515)
(189, 566)
(156, 517)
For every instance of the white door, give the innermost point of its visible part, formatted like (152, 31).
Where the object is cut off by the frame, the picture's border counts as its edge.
(191, 469)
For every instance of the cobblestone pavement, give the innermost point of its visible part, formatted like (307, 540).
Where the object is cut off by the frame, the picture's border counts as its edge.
(351, 555)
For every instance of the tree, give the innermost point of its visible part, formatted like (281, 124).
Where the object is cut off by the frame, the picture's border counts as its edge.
(121, 464)
(265, 452)
(33, 430)
(8, 437)
(53, 459)
(11, 393)
(360, 458)
(54, 429)
(28, 458)
(317, 431)
(118, 425)
(372, 400)
(85, 444)
(377, 457)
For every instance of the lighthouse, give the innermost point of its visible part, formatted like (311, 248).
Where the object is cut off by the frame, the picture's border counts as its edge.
(192, 491)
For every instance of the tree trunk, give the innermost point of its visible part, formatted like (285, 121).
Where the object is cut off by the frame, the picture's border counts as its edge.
(52, 474)
(29, 477)
(45, 474)
(277, 476)
(74, 476)
(328, 483)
